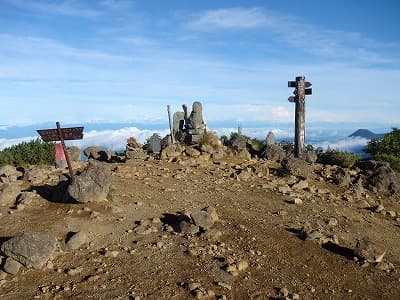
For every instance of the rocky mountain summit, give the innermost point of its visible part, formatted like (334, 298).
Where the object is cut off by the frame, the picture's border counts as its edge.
(200, 221)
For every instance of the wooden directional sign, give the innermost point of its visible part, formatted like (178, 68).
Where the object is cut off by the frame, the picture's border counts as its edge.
(62, 134)
(51, 135)
(302, 88)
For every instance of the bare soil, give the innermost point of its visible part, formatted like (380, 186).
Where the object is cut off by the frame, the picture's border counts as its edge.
(259, 225)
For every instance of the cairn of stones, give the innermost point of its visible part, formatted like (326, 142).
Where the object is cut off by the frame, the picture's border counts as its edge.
(189, 128)
(134, 150)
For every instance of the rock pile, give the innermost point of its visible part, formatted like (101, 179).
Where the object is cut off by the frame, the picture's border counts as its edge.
(134, 150)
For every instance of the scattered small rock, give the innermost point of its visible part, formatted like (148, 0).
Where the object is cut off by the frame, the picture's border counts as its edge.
(369, 251)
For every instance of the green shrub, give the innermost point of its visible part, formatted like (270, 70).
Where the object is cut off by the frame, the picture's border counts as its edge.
(339, 158)
(393, 160)
(389, 144)
(35, 152)
(386, 148)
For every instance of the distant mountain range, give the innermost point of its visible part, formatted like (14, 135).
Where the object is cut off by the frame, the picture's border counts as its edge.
(367, 134)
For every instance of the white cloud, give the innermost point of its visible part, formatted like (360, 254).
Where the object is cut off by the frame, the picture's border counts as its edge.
(66, 8)
(116, 4)
(5, 143)
(326, 43)
(137, 41)
(230, 18)
(114, 140)
(350, 144)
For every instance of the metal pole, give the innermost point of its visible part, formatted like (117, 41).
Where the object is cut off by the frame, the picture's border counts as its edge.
(299, 138)
(61, 135)
(170, 126)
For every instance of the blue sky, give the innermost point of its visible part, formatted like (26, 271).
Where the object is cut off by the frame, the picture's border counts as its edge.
(121, 61)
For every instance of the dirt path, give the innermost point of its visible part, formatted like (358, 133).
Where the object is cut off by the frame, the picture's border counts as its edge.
(259, 226)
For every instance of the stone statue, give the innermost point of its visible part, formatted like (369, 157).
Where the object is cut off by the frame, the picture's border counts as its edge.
(270, 138)
(189, 128)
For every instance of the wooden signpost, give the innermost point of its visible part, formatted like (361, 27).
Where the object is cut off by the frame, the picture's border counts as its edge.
(62, 134)
(302, 88)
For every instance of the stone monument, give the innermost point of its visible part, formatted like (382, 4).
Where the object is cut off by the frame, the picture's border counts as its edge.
(189, 128)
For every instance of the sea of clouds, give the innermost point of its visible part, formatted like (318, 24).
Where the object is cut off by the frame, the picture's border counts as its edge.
(115, 139)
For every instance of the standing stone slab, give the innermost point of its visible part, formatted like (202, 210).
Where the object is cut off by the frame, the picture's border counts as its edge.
(93, 184)
(31, 249)
(155, 143)
(270, 139)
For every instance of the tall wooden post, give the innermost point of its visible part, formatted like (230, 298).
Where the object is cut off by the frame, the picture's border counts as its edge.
(61, 136)
(170, 125)
(300, 112)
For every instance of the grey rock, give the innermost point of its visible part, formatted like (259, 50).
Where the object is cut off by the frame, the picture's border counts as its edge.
(274, 153)
(12, 266)
(296, 167)
(74, 153)
(244, 154)
(238, 143)
(342, 177)
(190, 151)
(369, 251)
(385, 179)
(135, 154)
(188, 228)
(309, 156)
(97, 153)
(208, 149)
(9, 193)
(212, 234)
(31, 249)
(77, 240)
(93, 184)
(202, 219)
(26, 198)
(212, 212)
(172, 151)
(35, 176)
(301, 185)
(9, 173)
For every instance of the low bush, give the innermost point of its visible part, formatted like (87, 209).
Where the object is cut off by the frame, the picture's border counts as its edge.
(35, 152)
(339, 158)
(392, 159)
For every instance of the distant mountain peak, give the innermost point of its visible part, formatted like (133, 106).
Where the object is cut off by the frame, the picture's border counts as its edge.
(365, 133)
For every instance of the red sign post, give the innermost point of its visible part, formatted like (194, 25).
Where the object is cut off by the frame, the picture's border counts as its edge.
(62, 134)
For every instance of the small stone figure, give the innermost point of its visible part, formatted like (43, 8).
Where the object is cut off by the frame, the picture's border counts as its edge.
(270, 139)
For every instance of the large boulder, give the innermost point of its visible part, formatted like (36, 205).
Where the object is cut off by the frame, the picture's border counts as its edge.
(296, 167)
(9, 193)
(93, 184)
(9, 173)
(31, 249)
(36, 175)
(172, 151)
(238, 142)
(274, 153)
(97, 153)
(385, 179)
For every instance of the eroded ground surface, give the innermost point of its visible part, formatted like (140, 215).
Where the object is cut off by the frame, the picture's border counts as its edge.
(259, 224)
